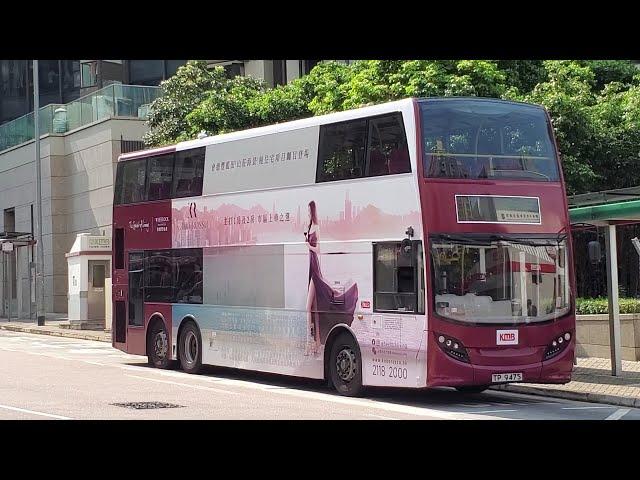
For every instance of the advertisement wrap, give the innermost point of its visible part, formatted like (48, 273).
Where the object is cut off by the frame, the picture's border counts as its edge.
(285, 266)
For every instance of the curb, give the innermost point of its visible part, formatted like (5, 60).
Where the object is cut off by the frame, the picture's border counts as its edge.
(571, 395)
(16, 328)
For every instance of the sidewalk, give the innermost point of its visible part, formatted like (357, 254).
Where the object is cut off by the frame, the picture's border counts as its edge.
(52, 327)
(592, 382)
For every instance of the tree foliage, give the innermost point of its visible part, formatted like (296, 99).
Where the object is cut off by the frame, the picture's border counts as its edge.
(594, 105)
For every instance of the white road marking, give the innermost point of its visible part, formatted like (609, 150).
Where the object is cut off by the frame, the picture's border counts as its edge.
(379, 416)
(32, 412)
(584, 408)
(198, 387)
(391, 407)
(618, 414)
(496, 411)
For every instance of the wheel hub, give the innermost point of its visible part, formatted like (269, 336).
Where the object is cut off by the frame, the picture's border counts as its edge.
(346, 365)
(161, 344)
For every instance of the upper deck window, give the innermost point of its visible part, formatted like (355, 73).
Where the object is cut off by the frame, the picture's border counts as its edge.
(469, 138)
(365, 147)
(161, 177)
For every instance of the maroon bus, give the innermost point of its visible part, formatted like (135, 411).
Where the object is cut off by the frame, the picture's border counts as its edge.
(417, 243)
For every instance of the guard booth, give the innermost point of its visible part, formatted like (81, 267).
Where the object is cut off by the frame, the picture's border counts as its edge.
(89, 277)
(12, 244)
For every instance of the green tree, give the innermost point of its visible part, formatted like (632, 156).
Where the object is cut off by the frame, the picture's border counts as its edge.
(181, 94)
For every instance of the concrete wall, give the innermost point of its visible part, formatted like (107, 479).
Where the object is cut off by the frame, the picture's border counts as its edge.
(593, 336)
(78, 171)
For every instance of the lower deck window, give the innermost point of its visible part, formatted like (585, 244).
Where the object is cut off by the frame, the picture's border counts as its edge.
(398, 277)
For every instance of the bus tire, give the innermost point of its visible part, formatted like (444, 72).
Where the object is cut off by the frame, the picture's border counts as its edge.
(158, 346)
(190, 348)
(472, 388)
(345, 365)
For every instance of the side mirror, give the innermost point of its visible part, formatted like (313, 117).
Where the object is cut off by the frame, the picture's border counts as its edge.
(406, 247)
(595, 255)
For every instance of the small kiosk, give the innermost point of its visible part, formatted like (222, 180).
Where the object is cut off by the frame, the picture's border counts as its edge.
(89, 276)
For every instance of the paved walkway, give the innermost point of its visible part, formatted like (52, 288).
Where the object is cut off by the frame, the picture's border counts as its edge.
(592, 382)
(52, 327)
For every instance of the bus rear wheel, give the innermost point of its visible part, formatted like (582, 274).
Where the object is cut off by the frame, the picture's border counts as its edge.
(158, 346)
(472, 389)
(190, 349)
(345, 366)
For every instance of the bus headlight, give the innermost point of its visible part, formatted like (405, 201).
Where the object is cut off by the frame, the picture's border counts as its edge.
(557, 345)
(453, 347)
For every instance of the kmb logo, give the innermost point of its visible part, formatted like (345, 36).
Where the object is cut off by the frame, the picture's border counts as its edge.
(507, 337)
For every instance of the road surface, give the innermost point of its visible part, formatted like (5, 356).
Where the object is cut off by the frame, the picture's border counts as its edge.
(45, 377)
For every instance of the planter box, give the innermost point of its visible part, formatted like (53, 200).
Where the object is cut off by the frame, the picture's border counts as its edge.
(593, 336)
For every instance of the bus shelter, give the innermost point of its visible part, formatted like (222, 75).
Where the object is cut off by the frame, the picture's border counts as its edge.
(608, 209)
(10, 242)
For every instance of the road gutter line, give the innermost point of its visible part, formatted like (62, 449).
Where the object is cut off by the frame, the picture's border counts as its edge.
(32, 412)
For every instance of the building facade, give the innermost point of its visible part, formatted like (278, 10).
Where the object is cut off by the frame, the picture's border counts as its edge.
(91, 112)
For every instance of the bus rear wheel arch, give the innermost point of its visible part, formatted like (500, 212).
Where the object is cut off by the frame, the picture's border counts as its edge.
(343, 364)
(190, 347)
(158, 344)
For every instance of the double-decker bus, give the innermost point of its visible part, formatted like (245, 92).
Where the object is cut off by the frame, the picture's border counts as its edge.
(417, 243)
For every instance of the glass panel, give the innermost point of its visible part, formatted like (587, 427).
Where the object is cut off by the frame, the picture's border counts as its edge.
(189, 173)
(388, 151)
(98, 276)
(487, 139)
(133, 181)
(188, 265)
(146, 72)
(160, 175)
(159, 276)
(136, 317)
(483, 280)
(395, 278)
(342, 150)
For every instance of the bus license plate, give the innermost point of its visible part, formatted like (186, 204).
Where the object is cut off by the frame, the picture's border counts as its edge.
(506, 377)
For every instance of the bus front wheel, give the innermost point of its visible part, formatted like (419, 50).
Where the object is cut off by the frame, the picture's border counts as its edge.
(158, 346)
(190, 348)
(345, 366)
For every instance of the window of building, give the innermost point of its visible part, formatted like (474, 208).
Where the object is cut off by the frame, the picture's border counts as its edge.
(172, 66)
(188, 173)
(279, 72)
(160, 176)
(398, 272)
(89, 73)
(146, 72)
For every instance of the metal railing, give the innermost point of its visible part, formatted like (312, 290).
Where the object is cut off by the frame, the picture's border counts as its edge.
(115, 100)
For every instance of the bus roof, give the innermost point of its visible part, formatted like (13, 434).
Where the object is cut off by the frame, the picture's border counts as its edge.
(360, 112)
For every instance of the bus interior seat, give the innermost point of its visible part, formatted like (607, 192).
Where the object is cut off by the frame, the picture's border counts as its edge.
(378, 163)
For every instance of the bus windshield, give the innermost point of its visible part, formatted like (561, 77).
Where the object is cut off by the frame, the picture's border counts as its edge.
(490, 279)
(479, 138)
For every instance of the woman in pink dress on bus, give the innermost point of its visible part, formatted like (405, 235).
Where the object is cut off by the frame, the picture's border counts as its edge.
(325, 305)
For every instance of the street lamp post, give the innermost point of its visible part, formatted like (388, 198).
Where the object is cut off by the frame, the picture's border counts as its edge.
(39, 244)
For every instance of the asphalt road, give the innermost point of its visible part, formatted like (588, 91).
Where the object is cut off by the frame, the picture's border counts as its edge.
(44, 377)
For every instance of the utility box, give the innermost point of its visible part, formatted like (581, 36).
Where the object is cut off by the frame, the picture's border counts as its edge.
(89, 273)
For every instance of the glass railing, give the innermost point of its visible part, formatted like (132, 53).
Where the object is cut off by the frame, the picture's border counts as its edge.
(114, 100)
